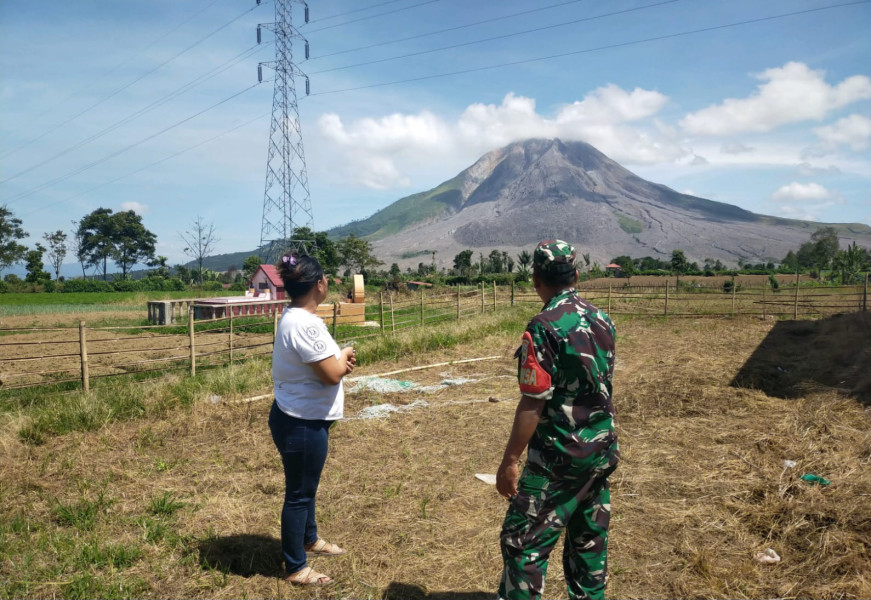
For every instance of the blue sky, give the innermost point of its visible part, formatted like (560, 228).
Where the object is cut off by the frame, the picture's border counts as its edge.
(154, 105)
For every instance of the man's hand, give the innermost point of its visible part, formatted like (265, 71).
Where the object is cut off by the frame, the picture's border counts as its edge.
(506, 479)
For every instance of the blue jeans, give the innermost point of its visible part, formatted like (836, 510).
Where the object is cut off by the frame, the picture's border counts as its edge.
(303, 448)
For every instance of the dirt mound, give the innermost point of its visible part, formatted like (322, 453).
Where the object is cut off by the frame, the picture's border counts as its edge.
(797, 357)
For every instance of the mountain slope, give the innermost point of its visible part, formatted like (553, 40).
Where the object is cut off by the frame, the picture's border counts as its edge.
(515, 196)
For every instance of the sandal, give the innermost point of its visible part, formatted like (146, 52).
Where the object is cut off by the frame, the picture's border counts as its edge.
(324, 548)
(308, 576)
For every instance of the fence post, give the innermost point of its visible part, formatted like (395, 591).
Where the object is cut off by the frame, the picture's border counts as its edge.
(512, 292)
(83, 349)
(609, 297)
(392, 322)
(422, 318)
(494, 295)
(335, 315)
(381, 309)
(230, 308)
(482, 297)
(666, 298)
(734, 287)
(275, 326)
(764, 308)
(795, 304)
(458, 301)
(865, 294)
(193, 348)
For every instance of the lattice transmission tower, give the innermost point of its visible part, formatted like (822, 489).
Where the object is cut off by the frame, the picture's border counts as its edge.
(286, 200)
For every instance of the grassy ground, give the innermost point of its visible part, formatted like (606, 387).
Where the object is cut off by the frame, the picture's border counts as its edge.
(178, 493)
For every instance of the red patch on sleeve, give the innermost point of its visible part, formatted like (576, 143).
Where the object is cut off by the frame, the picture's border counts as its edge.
(533, 378)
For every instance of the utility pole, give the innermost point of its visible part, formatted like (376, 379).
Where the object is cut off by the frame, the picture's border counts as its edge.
(286, 200)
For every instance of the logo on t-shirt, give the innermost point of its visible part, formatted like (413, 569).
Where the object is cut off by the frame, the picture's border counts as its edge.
(312, 331)
(319, 346)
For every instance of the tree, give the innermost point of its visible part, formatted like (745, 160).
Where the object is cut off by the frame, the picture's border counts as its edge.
(848, 264)
(34, 265)
(789, 262)
(183, 273)
(199, 241)
(96, 238)
(162, 269)
(356, 254)
(132, 242)
(495, 262)
(626, 265)
(678, 262)
(826, 246)
(76, 247)
(250, 266)
(11, 251)
(463, 263)
(57, 250)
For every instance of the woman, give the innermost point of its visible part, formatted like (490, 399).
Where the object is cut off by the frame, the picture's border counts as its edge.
(307, 372)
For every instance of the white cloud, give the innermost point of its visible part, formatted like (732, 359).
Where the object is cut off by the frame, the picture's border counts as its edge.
(378, 153)
(791, 94)
(735, 148)
(806, 169)
(802, 191)
(853, 131)
(138, 208)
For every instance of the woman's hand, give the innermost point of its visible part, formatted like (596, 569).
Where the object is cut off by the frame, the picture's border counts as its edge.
(350, 358)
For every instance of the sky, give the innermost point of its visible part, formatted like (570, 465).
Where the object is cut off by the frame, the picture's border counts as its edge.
(155, 105)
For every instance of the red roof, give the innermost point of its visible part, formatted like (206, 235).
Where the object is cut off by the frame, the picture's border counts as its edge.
(272, 273)
(613, 266)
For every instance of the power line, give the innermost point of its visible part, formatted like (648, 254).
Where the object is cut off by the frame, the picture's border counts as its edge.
(421, 35)
(597, 49)
(381, 14)
(126, 148)
(110, 71)
(354, 11)
(497, 37)
(138, 79)
(148, 166)
(159, 102)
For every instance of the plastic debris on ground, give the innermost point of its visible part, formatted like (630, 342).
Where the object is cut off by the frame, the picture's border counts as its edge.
(383, 410)
(487, 478)
(386, 386)
(767, 557)
(789, 464)
(815, 479)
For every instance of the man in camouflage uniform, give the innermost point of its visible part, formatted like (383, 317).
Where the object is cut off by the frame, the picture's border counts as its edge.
(565, 416)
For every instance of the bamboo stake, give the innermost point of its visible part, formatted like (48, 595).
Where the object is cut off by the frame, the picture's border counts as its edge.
(482, 297)
(795, 304)
(83, 348)
(609, 297)
(392, 321)
(512, 292)
(421, 307)
(666, 298)
(231, 333)
(335, 315)
(865, 294)
(193, 348)
(458, 301)
(764, 308)
(494, 296)
(275, 318)
(734, 287)
(381, 309)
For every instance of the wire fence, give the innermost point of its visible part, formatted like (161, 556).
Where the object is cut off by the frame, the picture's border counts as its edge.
(74, 356)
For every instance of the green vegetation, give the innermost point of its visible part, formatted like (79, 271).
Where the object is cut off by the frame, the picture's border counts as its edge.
(628, 224)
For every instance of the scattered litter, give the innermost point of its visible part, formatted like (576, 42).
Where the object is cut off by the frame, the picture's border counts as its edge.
(386, 386)
(214, 398)
(380, 384)
(486, 478)
(382, 410)
(789, 464)
(492, 399)
(768, 557)
(811, 478)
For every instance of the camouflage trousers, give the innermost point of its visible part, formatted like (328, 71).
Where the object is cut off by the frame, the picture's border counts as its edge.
(536, 517)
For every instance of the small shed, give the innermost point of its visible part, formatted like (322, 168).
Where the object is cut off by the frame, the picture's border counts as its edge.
(267, 281)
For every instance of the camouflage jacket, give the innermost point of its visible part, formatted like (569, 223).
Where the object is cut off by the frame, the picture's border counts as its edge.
(567, 360)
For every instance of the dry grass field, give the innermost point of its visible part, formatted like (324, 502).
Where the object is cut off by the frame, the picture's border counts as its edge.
(187, 506)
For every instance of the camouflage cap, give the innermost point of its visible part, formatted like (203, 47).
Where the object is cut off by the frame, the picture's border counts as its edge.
(555, 256)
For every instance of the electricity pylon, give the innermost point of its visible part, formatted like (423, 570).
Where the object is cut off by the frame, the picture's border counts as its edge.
(286, 200)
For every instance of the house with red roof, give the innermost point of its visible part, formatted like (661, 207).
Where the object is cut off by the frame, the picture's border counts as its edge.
(266, 280)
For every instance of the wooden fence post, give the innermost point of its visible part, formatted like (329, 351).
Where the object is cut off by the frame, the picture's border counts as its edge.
(275, 326)
(193, 347)
(865, 294)
(666, 298)
(734, 287)
(335, 315)
(609, 297)
(482, 297)
(381, 309)
(512, 292)
(392, 321)
(764, 308)
(422, 317)
(83, 350)
(230, 307)
(458, 301)
(795, 304)
(494, 295)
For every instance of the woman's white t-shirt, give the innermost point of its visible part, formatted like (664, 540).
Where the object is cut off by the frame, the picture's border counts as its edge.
(302, 338)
